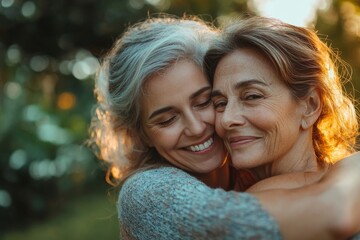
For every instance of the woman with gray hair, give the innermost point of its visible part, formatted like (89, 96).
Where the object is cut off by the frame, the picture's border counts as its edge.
(154, 125)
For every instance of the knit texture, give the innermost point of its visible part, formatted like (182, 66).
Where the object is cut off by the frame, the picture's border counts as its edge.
(168, 203)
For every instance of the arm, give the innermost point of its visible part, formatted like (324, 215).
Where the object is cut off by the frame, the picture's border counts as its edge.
(167, 203)
(326, 210)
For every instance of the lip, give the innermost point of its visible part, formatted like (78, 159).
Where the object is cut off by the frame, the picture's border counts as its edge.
(240, 141)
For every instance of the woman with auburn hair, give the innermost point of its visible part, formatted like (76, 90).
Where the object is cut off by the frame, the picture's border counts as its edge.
(154, 124)
(304, 63)
(279, 102)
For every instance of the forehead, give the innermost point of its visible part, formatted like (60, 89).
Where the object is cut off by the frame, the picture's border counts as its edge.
(181, 75)
(245, 64)
(174, 85)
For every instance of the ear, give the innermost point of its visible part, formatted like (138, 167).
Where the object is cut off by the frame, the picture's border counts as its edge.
(313, 106)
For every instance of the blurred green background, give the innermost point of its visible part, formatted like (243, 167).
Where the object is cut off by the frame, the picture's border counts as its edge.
(51, 185)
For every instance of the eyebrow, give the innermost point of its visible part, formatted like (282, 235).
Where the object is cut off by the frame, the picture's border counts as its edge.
(249, 82)
(168, 108)
(239, 85)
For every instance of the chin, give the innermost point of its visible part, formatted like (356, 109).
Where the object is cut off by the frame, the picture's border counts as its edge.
(214, 167)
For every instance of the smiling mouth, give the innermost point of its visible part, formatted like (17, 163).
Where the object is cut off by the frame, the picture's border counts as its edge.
(241, 140)
(202, 146)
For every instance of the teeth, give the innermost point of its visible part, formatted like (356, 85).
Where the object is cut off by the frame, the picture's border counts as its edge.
(203, 146)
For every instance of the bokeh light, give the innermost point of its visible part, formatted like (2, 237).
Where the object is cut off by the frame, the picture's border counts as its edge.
(33, 113)
(18, 159)
(13, 90)
(136, 4)
(28, 9)
(84, 65)
(43, 169)
(7, 3)
(13, 55)
(161, 5)
(351, 19)
(5, 198)
(50, 132)
(39, 63)
(66, 101)
(300, 13)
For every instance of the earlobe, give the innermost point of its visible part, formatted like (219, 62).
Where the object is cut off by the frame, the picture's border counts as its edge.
(304, 124)
(313, 107)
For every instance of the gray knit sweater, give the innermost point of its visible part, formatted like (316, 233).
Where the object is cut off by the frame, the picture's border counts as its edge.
(167, 203)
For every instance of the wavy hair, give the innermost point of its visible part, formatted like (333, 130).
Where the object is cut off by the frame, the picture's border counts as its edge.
(144, 49)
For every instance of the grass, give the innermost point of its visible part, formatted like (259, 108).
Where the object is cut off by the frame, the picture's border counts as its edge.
(91, 216)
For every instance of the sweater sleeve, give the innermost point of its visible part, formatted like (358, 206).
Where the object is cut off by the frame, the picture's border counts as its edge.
(355, 237)
(167, 203)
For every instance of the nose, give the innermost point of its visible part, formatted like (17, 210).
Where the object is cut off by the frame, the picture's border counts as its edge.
(232, 116)
(194, 124)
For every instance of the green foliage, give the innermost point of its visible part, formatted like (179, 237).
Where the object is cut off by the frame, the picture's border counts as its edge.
(49, 51)
(87, 217)
(340, 23)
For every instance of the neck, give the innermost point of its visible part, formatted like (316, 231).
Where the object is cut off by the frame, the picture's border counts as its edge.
(300, 158)
(218, 178)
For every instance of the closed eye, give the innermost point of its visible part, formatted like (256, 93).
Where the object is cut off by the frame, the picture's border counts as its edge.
(252, 96)
(166, 122)
(220, 105)
(204, 104)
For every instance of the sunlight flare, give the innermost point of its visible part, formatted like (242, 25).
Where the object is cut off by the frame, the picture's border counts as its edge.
(299, 13)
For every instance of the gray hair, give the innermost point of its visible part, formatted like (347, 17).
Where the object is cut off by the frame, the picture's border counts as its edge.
(145, 49)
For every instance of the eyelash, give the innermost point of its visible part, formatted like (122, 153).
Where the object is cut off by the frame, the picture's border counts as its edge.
(219, 105)
(170, 120)
(204, 104)
(166, 122)
(252, 96)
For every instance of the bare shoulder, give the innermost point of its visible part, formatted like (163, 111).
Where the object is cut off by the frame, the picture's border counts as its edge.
(286, 181)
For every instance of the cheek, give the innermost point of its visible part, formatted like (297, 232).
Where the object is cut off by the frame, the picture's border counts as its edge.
(270, 120)
(218, 126)
(280, 127)
(208, 115)
(162, 138)
(270, 116)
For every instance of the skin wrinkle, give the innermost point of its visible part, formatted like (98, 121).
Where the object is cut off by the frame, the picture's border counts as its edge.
(270, 113)
(274, 145)
(276, 167)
